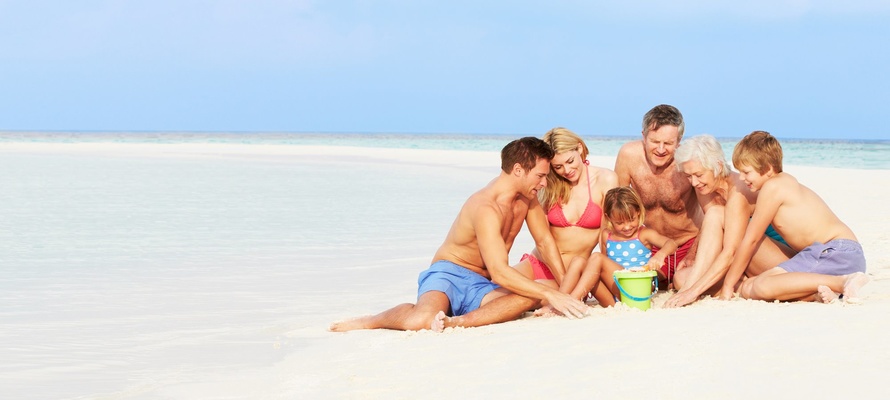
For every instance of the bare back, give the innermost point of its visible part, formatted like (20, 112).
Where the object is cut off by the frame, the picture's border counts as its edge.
(798, 213)
(671, 205)
(461, 245)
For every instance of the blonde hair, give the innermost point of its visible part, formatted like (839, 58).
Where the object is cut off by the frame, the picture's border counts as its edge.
(760, 151)
(558, 189)
(621, 203)
(707, 151)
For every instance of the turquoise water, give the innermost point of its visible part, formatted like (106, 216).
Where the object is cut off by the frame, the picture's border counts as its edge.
(860, 154)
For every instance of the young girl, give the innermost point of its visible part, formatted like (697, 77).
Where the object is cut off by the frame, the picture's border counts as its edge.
(625, 244)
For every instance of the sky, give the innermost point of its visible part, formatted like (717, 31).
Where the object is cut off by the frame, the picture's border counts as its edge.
(798, 69)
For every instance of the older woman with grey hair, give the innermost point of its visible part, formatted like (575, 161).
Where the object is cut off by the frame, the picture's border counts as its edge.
(727, 204)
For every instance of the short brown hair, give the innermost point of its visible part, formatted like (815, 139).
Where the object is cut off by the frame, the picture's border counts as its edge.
(525, 151)
(760, 151)
(662, 115)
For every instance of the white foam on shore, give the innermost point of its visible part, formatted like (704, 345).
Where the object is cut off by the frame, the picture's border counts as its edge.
(213, 270)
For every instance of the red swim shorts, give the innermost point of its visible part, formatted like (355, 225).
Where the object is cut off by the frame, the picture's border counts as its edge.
(671, 261)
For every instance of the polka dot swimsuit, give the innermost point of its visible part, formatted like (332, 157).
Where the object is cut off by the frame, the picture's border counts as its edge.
(628, 253)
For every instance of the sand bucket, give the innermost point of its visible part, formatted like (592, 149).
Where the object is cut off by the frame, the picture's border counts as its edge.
(635, 287)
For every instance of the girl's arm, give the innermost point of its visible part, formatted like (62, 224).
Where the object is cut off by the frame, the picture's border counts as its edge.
(666, 245)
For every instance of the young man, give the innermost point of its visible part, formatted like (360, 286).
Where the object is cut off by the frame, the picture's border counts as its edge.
(470, 277)
(829, 259)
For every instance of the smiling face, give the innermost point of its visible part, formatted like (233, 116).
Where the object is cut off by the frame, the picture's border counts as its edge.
(568, 165)
(660, 145)
(536, 179)
(701, 178)
(753, 179)
(625, 228)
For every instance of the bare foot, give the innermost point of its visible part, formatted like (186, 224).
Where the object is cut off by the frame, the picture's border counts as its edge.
(438, 324)
(826, 295)
(350, 324)
(545, 311)
(852, 284)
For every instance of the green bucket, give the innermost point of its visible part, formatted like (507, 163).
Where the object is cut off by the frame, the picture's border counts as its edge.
(635, 287)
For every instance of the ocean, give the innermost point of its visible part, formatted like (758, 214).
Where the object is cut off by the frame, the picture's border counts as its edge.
(857, 154)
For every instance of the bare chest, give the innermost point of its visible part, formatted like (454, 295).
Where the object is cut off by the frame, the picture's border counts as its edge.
(668, 191)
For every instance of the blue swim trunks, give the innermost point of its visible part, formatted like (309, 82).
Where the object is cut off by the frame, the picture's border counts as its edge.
(464, 288)
(837, 257)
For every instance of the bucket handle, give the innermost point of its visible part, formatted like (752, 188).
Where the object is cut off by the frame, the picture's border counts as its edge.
(628, 295)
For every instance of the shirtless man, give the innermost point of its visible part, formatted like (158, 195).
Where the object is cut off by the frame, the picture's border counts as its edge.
(470, 282)
(648, 166)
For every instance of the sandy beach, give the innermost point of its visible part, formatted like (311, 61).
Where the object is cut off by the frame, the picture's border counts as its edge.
(213, 271)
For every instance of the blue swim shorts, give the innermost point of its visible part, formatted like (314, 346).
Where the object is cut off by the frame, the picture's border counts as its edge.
(837, 257)
(464, 288)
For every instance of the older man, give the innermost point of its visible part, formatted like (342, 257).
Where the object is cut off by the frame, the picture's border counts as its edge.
(648, 166)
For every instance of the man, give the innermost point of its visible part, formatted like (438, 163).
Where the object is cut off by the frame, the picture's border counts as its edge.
(648, 166)
(470, 278)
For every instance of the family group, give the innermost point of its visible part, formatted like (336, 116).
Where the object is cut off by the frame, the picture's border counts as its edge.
(670, 205)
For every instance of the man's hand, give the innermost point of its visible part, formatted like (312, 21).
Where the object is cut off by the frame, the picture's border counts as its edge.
(681, 299)
(567, 305)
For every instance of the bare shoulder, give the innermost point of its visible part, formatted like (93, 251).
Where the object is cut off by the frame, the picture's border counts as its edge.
(628, 150)
(628, 159)
(480, 203)
(605, 178)
(738, 191)
(781, 183)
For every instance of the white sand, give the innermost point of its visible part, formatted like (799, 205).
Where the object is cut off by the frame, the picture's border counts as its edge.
(220, 267)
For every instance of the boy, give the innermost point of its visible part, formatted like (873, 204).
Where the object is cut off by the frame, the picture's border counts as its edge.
(829, 258)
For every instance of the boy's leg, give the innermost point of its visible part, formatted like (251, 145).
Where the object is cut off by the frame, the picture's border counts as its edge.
(767, 255)
(776, 284)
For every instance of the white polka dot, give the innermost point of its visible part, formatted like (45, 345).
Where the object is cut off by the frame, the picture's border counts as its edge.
(632, 245)
(618, 245)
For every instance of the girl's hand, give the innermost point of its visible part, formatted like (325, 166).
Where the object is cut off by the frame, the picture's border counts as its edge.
(654, 264)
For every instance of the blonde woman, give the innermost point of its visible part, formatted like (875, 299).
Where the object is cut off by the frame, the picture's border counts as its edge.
(573, 200)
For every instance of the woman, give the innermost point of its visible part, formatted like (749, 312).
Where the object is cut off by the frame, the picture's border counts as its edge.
(573, 199)
(728, 205)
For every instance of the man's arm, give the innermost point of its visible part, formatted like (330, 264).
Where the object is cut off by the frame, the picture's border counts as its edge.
(539, 228)
(488, 223)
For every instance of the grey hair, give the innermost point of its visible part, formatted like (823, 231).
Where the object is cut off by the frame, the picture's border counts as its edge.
(706, 150)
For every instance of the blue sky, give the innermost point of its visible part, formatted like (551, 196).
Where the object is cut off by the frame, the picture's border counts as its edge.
(799, 69)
